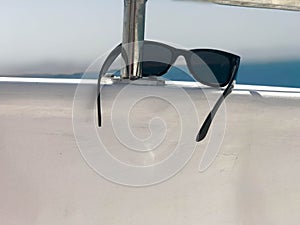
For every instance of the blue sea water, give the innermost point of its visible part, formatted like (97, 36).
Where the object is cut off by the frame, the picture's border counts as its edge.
(281, 74)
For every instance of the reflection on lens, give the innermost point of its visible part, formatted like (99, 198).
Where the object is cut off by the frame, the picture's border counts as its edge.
(156, 59)
(206, 63)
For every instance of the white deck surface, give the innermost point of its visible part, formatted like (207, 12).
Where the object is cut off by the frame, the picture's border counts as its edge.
(45, 181)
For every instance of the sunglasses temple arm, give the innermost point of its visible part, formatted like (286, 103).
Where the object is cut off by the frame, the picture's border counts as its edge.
(205, 127)
(107, 63)
(99, 110)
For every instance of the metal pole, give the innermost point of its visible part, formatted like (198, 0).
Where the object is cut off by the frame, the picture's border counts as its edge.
(133, 33)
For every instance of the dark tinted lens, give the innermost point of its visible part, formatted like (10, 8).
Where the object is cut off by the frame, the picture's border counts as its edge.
(156, 59)
(211, 67)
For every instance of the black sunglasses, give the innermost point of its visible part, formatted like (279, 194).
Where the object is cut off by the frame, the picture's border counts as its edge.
(211, 67)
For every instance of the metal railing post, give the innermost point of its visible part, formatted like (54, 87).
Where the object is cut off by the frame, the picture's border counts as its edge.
(133, 33)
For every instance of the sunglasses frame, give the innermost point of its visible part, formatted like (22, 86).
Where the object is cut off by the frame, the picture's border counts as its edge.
(234, 63)
(187, 54)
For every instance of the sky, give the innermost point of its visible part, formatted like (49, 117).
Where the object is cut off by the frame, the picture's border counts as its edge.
(66, 36)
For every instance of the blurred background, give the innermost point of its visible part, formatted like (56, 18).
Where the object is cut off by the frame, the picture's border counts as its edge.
(65, 37)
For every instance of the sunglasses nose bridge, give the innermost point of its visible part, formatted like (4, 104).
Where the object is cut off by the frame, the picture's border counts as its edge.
(184, 53)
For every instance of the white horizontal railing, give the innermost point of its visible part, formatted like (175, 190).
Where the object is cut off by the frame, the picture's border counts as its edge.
(238, 89)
